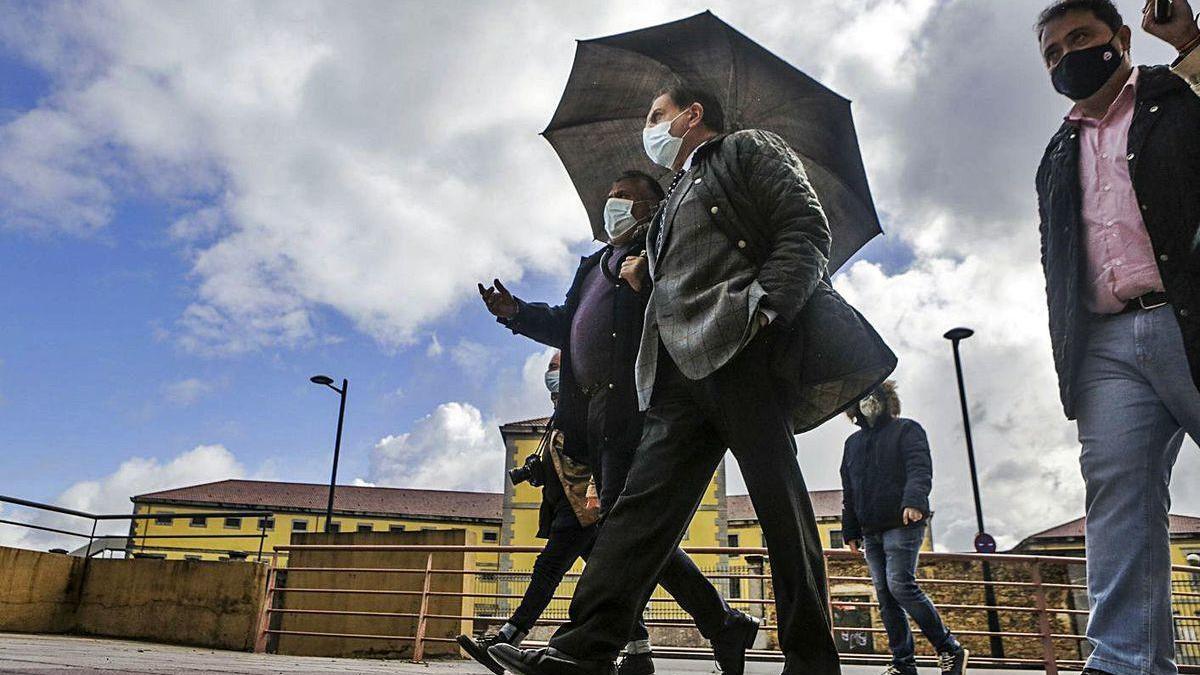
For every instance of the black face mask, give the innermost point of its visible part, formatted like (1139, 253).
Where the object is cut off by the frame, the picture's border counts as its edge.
(1081, 73)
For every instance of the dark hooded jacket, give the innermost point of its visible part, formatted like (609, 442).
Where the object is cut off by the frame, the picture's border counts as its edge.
(885, 469)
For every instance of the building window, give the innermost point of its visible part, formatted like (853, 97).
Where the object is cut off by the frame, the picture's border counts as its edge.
(299, 526)
(734, 541)
(267, 523)
(491, 536)
(735, 588)
(835, 539)
(233, 523)
(335, 526)
(199, 521)
(395, 528)
(163, 519)
(366, 527)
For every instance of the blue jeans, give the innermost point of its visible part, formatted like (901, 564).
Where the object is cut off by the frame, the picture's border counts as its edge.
(892, 557)
(1135, 401)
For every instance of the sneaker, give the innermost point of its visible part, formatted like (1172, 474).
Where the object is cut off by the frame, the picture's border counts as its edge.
(954, 663)
(900, 670)
(637, 664)
(478, 650)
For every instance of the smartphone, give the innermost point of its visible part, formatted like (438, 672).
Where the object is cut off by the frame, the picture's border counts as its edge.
(1163, 9)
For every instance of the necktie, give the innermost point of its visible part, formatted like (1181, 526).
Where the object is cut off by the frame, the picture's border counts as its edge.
(661, 231)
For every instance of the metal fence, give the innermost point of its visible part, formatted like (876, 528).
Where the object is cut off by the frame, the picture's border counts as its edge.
(1038, 603)
(135, 544)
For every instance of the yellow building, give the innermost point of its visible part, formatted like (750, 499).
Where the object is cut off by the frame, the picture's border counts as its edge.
(522, 503)
(1068, 539)
(298, 507)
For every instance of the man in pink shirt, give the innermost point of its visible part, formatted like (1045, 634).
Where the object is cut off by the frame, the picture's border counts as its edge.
(1119, 201)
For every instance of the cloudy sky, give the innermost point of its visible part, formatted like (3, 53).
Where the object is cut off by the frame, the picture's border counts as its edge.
(201, 205)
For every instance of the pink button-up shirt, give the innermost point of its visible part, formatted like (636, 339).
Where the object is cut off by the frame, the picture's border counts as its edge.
(1120, 258)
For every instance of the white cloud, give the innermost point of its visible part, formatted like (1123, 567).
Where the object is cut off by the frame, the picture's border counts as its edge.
(110, 494)
(190, 390)
(474, 358)
(452, 448)
(335, 159)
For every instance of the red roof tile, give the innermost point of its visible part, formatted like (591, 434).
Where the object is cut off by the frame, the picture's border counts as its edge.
(1180, 525)
(347, 499)
(826, 504)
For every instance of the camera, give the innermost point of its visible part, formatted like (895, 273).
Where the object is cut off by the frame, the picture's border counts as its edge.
(530, 471)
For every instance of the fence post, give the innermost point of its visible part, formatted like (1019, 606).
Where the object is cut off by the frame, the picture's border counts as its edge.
(828, 595)
(264, 615)
(419, 644)
(1049, 658)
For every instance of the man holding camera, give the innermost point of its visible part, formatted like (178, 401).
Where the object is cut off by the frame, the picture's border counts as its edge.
(566, 521)
(598, 329)
(1119, 201)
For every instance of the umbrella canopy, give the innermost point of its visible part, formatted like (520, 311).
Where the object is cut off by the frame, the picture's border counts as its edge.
(597, 129)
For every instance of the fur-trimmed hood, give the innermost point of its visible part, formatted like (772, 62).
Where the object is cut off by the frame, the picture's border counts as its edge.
(886, 391)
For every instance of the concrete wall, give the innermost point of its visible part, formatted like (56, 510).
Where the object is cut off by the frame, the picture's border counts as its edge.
(210, 604)
(407, 603)
(38, 591)
(207, 604)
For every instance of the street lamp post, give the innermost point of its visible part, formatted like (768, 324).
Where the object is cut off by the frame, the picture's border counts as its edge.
(984, 543)
(337, 443)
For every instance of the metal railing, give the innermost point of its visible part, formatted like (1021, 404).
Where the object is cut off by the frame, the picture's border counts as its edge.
(1038, 602)
(133, 547)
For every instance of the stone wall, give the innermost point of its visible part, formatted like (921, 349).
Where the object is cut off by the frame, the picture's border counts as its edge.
(207, 604)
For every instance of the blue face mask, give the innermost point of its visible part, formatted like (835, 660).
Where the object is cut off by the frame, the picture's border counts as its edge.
(552, 379)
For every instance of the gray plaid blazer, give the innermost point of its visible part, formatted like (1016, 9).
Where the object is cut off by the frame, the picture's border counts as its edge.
(705, 293)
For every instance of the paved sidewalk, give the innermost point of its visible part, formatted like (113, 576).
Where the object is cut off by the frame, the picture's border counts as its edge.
(52, 654)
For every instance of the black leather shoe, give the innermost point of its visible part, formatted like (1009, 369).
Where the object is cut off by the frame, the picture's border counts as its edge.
(730, 645)
(547, 661)
(637, 664)
(477, 649)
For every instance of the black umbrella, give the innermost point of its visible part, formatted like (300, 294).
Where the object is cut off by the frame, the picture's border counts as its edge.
(597, 129)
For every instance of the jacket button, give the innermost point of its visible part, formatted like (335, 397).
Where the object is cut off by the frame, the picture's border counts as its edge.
(1145, 208)
(1153, 108)
(696, 182)
(714, 210)
(611, 385)
(1164, 257)
(1129, 157)
(614, 335)
(1184, 312)
(741, 243)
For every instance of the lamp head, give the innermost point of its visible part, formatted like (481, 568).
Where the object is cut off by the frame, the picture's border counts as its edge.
(321, 379)
(956, 334)
(1193, 559)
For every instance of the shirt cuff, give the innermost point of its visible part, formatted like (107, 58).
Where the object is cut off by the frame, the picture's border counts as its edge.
(769, 313)
(1187, 66)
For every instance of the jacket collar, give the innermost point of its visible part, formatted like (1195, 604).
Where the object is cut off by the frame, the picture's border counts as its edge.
(1157, 81)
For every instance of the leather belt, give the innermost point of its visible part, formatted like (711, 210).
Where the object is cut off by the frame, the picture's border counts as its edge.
(1148, 301)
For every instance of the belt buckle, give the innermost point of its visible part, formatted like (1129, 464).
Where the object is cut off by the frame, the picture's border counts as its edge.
(1142, 303)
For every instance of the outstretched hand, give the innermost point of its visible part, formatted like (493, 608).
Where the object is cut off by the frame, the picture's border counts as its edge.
(1179, 32)
(499, 301)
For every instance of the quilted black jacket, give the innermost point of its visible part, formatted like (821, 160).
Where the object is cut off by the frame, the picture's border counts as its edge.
(828, 356)
(1164, 162)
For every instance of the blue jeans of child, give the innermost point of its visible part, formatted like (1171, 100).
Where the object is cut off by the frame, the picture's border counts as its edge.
(892, 557)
